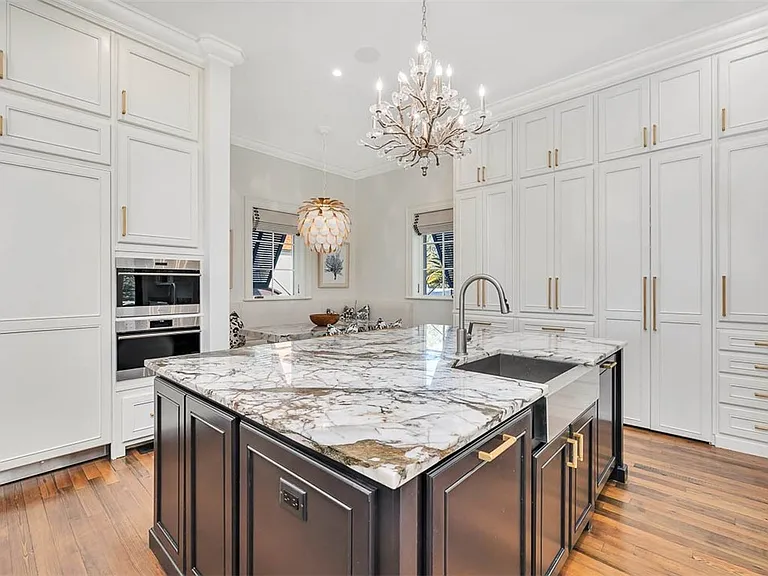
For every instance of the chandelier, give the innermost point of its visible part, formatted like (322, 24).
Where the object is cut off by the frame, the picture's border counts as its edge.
(323, 222)
(426, 118)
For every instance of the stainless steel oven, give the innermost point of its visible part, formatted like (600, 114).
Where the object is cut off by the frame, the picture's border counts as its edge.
(140, 339)
(152, 287)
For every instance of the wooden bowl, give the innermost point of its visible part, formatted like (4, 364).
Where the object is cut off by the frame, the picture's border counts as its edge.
(324, 319)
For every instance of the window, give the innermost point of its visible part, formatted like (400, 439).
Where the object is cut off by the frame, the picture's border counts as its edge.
(432, 255)
(274, 258)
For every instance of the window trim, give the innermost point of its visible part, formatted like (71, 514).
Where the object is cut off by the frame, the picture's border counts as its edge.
(413, 248)
(302, 274)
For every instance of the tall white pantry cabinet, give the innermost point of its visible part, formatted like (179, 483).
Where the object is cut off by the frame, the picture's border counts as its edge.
(639, 214)
(94, 159)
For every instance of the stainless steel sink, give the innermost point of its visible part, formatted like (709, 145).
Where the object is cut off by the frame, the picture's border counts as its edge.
(518, 367)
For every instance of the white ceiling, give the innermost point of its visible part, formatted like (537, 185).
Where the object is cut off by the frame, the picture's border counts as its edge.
(285, 89)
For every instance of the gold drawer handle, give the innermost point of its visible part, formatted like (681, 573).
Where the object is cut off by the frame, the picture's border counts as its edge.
(125, 102)
(609, 365)
(552, 329)
(580, 440)
(573, 461)
(124, 210)
(761, 428)
(509, 441)
(761, 344)
(761, 366)
(762, 395)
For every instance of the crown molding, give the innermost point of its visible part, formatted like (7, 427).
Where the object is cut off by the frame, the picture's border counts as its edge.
(133, 23)
(275, 152)
(698, 44)
(380, 168)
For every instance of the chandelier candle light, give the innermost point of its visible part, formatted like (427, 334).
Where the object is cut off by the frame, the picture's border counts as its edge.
(426, 119)
(323, 222)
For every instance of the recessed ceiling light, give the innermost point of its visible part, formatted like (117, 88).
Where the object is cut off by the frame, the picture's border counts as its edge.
(336, 72)
(367, 54)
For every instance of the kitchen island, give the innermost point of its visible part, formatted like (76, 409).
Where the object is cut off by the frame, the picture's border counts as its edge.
(383, 453)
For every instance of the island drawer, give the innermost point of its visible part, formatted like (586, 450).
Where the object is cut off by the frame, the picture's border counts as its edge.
(286, 497)
(744, 423)
(744, 391)
(743, 341)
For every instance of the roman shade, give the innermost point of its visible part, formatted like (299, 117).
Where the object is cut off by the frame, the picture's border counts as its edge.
(433, 222)
(274, 221)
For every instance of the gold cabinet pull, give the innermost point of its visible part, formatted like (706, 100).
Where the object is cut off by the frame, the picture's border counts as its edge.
(580, 440)
(722, 120)
(723, 296)
(509, 441)
(124, 210)
(556, 162)
(125, 102)
(2, 64)
(557, 293)
(653, 310)
(653, 135)
(549, 158)
(477, 293)
(573, 461)
(761, 366)
(645, 137)
(477, 178)
(761, 428)
(482, 293)
(483, 173)
(762, 395)
(645, 302)
(609, 365)
(761, 344)
(1, 125)
(549, 293)
(553, 329)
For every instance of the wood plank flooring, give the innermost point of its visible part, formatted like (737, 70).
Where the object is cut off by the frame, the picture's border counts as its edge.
(689, 509)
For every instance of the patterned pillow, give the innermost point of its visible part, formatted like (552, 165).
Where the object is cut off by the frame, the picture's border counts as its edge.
(236, 336)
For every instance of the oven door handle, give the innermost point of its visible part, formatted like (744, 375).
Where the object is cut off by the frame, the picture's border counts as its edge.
(155, 334)
(164, 273)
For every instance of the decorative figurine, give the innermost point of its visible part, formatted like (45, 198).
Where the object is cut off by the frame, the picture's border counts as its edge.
(397, 323)
(332, 330)
(380, 324)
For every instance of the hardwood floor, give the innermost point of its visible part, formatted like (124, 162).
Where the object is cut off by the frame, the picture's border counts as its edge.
(688, 509)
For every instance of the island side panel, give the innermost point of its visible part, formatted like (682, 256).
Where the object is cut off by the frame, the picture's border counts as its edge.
(620, 472)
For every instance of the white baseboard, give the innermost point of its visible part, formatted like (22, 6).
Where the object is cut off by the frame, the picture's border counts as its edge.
(741, 445)
(45, 466)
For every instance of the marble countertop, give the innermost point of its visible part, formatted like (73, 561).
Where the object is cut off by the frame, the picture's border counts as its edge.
(285, 332)
(389, 403)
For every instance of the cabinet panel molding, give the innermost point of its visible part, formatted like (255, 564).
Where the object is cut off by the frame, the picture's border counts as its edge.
(743, 89)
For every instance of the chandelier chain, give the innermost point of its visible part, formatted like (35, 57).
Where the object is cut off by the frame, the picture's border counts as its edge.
(325, 168)
(423, 20)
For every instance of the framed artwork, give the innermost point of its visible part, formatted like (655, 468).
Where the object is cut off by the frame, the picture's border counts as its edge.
(333, 269)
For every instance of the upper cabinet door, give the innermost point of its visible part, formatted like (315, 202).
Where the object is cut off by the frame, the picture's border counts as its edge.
(742, 235)
(681, 105)
(743, 89)
(624, 123)
(535, 142)
(574, 257)
(54, 55)
(157, 189)
(536, 291)
(468, 226)
(466, 170)
(497, 154)
(157, 91)
(497, 207)
(574, 130)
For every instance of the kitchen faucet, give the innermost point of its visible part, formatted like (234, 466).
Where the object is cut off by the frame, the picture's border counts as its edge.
(461, 333)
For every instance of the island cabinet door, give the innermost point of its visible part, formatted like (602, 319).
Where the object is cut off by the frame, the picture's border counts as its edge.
(478, 505)
(583, 475)
(168, 529)
(551, 505)
(298, 517)
(210, 517)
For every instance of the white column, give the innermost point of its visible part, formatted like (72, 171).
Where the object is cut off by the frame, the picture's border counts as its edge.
(216, 191)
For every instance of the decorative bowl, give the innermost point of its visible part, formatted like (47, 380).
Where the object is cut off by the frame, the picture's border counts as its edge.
(324, 319)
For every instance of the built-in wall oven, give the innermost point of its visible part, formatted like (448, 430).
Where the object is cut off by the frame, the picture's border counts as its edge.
(158, 312)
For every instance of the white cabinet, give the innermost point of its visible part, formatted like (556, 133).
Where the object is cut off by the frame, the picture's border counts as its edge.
(34, 125)
(157, 189)
(157, 90)
(681, 105)
(743, 89)
(52, 54)
(483, 241)
(490, 161)
(555, 138)
(742, 235)
(669, 108)
(556, 240)
(655, 238)
(571, 328)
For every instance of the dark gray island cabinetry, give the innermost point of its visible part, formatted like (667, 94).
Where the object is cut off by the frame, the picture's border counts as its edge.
(454, 472)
